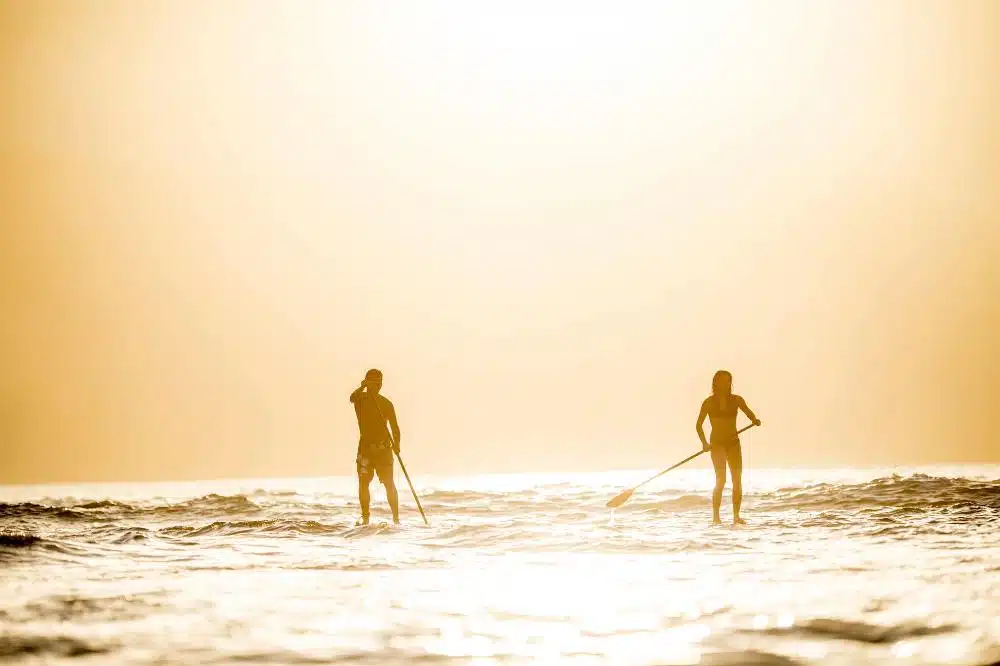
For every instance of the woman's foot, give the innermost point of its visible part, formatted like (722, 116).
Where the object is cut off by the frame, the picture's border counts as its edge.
(739, 521)
(716, 520)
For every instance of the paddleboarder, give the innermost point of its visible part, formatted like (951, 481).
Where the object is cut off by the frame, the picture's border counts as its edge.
(721, 408)
(375, 446)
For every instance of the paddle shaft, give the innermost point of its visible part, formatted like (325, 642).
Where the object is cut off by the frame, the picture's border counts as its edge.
(689, 458)
(412, 491)
(400, 459)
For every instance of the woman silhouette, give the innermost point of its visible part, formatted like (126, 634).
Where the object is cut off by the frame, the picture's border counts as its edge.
(721, 409)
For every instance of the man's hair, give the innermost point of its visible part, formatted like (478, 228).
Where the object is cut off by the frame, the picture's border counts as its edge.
(374, 373)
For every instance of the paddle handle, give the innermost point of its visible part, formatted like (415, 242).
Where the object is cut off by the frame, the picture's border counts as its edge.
(689, 458)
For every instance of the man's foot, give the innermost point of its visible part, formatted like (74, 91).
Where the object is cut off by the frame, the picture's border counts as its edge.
(395, 521)
(362, 521)
(716, 520)
(739, 521)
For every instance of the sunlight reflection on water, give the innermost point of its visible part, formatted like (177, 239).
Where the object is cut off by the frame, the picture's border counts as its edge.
(275, 570)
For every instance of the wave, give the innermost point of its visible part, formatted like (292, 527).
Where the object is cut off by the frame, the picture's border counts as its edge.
(746, 658)
(12, 646)
(885, 500)
(103, 504)
(917, 493)
(18, 540)
(261, 492)
(857, 631)
(512, 535)
(108, 509)
(275, 527)
(682, 503)
(14, 545)
(898, 495)
(71, 608)
(33, 509)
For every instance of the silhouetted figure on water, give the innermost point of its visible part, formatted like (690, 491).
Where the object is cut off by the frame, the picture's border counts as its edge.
(721, 409)
(375, 448)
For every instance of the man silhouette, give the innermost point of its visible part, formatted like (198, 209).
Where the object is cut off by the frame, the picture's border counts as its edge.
(375, 446)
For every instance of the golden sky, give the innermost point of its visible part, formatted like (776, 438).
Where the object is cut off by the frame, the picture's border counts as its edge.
(548, 226)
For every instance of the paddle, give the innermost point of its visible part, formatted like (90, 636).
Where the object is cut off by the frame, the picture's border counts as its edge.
(401, 465)
(415, 498)
(624, 496)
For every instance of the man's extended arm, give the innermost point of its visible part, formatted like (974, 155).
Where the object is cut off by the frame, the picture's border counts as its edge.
(394, 425)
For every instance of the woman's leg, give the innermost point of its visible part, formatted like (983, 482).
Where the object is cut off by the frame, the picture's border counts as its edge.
(735, 458)
(719, 462)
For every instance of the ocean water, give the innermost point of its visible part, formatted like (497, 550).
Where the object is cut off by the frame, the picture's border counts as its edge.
(897, 566)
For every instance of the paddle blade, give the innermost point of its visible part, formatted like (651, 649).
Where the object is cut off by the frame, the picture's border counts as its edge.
(620, 498)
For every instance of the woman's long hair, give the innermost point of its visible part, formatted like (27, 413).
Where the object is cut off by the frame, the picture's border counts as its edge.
(722, 378)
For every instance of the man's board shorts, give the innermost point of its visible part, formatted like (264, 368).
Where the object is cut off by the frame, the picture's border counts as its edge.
(374, 460)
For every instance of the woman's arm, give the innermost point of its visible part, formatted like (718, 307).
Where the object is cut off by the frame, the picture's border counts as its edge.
(749, 412)
(698, 425)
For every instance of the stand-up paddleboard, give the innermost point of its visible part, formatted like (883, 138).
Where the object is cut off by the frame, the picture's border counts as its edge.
(371, 529)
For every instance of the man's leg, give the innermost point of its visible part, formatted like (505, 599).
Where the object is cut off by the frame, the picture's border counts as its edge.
(365, 475)
(384, 470)
(393, 495)
(735, 457)
(719, 463)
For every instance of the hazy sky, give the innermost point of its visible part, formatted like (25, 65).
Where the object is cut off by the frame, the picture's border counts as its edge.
(549, 224)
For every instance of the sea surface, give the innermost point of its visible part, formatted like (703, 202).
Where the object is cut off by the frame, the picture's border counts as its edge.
(851, 566)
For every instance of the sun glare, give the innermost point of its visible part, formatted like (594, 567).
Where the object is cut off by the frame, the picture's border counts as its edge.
(559, 66)
(262, 197)
(257, 253)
